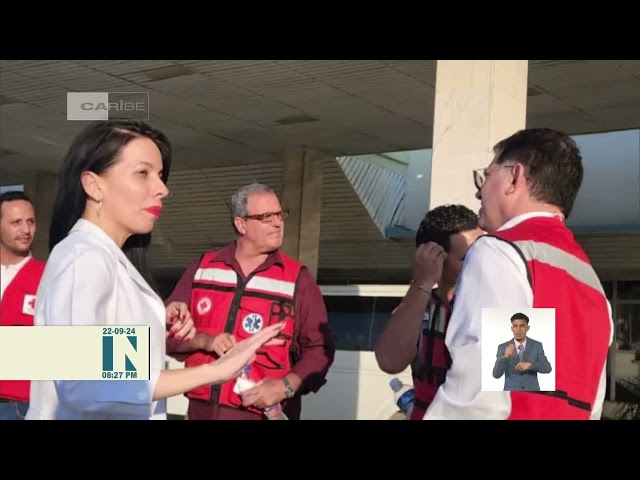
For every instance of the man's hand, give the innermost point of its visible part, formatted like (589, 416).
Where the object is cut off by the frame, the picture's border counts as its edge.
(523, 366)
(268, 392)
(220, 344)
(427, 264)
(509, 352)
(230, 365)
(179, 322)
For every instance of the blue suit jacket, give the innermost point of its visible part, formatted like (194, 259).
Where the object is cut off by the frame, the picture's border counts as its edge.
(521, 381)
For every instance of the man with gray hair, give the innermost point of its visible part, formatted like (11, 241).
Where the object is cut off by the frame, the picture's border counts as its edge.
(240, 289)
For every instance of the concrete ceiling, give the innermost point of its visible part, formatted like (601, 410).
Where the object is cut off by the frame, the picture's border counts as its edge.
(219, 113)
(224, 115)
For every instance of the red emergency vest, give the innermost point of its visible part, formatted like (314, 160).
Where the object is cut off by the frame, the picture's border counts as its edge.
(433, 360)
(562, 277)
(222, 302)
(17, 308)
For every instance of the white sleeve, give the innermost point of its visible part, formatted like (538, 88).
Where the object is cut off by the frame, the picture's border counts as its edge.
(493, 276)
(81, 295)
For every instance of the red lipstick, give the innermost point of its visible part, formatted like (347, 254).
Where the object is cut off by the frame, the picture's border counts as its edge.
(155, 211)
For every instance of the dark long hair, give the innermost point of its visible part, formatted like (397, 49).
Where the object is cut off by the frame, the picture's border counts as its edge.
(96, 149)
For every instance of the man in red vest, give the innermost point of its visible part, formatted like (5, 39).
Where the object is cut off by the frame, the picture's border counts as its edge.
(415, 333)
(238, 290)
(530, 259)
(20, 276)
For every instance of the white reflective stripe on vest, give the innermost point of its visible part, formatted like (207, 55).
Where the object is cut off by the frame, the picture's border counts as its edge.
(219, 275)
(545, 253)
(270, 285)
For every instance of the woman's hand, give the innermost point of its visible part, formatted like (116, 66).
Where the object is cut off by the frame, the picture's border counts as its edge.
(179, 322)
(220, 344)
(243, 353)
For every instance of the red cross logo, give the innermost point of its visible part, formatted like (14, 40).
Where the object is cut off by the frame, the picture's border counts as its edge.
(204, 305)
(29, 304)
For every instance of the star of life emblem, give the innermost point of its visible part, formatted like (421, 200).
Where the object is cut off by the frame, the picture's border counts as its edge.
(252, 323)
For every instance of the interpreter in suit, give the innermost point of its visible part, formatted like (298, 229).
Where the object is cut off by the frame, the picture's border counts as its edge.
(521, 358)
(110, 195)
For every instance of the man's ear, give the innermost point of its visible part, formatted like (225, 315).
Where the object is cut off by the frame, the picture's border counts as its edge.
(518, 178)
(92, 184)
(241, 225)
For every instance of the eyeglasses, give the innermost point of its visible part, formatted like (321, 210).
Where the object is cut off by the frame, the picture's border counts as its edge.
(481, 174)
(268, 217)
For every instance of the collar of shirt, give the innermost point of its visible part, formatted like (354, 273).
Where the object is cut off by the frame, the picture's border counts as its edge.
(524, 343)
(9, 272)
(16, 266)
(104, 239)
(228, 255)
(101, 237)
(525, 216)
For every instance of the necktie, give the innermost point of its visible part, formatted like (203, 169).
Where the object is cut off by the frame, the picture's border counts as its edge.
(520, 351)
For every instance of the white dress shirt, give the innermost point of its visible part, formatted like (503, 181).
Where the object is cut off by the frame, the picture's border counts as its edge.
(9, 272)
(493, 276)
(88, 280)
(523, 343)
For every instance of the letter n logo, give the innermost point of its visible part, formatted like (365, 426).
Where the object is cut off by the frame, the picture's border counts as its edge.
(127, 347)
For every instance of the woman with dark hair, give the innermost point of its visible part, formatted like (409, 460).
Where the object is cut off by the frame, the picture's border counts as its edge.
(111, 187)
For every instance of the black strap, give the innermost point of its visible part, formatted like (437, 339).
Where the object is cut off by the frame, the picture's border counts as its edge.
(294, 348)
(428, 356)
(565, 396)
(518, 251)
(193, 279)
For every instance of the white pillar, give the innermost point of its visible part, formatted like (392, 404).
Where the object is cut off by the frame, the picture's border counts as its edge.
(477, 104)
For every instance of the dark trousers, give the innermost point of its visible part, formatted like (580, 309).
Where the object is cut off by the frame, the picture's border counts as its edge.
(13, 410)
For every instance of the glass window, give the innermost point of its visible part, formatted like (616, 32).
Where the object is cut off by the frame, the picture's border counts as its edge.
(11, 188)
(629, 290)
(628, 326)
(626, 360)
(356, 322)
(624, 356)
(350, 321)
(381, 314)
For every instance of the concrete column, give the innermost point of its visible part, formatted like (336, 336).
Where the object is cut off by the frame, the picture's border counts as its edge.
(41, 188)
(302, 180)
(477, 104)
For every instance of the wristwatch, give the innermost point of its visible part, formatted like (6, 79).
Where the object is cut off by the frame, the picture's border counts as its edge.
(289, 391)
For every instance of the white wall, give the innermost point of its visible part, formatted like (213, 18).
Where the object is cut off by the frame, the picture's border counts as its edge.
(610, 192)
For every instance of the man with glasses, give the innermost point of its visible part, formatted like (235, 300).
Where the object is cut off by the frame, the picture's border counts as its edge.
(237, 291)
(529, 259)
